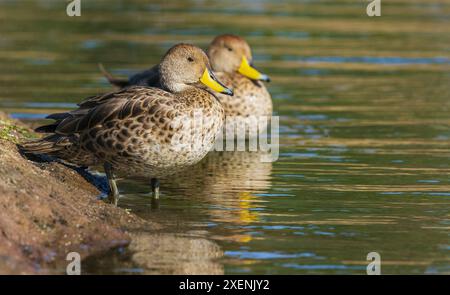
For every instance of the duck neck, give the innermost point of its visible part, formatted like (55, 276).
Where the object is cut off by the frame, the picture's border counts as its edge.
(173, 87)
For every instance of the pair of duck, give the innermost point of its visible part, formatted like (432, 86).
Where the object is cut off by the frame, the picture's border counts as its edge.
(132, 132)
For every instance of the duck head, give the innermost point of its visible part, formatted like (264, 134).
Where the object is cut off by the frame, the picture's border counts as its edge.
(185, 66)
(231, 54)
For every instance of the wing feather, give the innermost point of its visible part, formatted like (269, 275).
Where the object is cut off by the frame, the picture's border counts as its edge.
(97, 110)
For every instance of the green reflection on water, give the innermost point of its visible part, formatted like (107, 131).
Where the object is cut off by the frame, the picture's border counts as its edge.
(364, 162)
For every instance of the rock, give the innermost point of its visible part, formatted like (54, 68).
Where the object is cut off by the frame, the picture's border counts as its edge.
(48, 210)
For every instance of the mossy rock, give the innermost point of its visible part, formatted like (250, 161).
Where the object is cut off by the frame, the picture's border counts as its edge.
(14, 133)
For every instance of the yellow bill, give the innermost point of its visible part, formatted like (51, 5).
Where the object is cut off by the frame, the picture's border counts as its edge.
(211, 81)
(247, 70)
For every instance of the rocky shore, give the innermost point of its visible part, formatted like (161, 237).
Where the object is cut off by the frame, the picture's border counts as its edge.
(48, 210)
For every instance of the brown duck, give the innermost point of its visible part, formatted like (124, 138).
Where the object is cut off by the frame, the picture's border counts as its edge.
(137, 131)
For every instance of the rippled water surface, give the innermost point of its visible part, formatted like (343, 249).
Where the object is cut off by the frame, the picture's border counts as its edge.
(364, 106)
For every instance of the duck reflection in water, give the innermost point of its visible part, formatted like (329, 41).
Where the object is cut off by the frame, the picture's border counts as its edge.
(229, 182)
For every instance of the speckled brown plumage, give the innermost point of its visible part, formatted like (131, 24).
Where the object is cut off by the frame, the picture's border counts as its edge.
(131, 129)
(250, 98)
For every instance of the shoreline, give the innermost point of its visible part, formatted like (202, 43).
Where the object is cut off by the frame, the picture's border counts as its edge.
(49, 210)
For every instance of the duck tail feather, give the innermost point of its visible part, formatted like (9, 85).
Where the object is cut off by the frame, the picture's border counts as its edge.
(58, 116)
(47, 128)
(46, 145)
(112, 80)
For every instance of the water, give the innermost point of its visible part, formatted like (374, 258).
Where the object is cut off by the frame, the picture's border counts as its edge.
(364, 130)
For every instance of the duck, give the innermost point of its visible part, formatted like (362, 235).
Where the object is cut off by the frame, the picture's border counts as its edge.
(232, 62)
(139, 130)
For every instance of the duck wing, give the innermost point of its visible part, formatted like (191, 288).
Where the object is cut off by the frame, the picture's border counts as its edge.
(99, 109)
(129, 102)
(94, 113)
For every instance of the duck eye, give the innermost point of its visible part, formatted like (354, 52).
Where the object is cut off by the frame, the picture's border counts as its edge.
(229, 48)
(190, 59)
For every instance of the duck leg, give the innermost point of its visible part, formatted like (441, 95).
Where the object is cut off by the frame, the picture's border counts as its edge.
(154, 183)
(113, 194)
